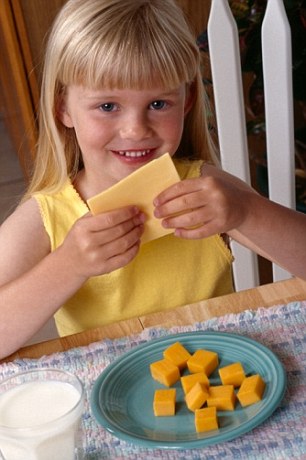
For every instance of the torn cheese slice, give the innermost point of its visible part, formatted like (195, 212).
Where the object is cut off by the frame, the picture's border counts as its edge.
(139, 189)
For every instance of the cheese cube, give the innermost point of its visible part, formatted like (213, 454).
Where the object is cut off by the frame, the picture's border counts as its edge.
(206, 419)
(178, 354)
(165, 372)
(164, 402)
(197, 396)
(203, 361)
(233, 374)
(251, 390)
(222, 397)
(188, 381)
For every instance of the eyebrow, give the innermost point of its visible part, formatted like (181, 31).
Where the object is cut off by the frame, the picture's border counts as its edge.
(99, 95)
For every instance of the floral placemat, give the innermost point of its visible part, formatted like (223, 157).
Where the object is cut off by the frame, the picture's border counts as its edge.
(283, 436)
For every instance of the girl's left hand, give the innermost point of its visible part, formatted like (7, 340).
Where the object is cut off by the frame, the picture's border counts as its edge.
(202, 207)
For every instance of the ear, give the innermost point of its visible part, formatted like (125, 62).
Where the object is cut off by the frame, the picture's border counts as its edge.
(62, 112)
(190, 95)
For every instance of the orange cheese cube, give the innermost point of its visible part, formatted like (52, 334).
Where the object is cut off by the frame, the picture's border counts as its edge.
(233, 374)
(203, 361)
(251, 390)
(197, 396)
(188, 381)
(206, 419)
(165, 372)
(222, 397)
(164, 402)
(177, 354)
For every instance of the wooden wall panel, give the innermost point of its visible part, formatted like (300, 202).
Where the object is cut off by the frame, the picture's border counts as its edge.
(197, 12)
(15, 93)
(37, 16)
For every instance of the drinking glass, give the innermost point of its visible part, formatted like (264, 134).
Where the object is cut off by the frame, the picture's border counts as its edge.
(40, 415)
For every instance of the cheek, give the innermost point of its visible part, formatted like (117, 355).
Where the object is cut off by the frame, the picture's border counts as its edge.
(87, 140)
(89, 132)
(172, 135)
(174, 127)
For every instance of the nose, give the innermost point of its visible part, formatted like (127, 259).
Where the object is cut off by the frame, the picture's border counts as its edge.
(135, 127)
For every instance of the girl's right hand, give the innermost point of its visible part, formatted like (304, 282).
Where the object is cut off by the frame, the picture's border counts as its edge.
(99, 244)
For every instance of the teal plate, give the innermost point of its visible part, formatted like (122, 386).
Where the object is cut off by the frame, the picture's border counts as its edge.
(122, 396)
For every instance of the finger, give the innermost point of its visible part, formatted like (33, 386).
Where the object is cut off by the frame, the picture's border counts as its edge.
(121, 260)
(115, 217)
(105, 236)
(177, 190)
(90, 237)
(180, 205)
(191, 219)
(131, 238)
(123, 245)
(201, 231)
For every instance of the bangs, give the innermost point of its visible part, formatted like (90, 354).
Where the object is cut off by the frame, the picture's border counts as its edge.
(136, 52)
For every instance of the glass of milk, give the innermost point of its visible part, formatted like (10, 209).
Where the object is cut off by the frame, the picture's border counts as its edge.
(40, 415)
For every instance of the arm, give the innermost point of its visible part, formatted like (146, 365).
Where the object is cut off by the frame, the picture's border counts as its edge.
(34, 282)
(218, 202)
(276, 233)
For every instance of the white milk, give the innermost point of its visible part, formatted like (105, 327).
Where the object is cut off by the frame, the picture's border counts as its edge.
(42, 419)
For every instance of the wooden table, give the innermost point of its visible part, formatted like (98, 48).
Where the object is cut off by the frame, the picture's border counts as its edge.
(263, 296)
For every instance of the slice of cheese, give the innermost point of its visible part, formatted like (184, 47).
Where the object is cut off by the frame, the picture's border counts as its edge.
(139, 189)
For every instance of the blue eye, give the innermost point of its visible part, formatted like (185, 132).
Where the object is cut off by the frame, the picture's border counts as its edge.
(107, 107)
(157, 105)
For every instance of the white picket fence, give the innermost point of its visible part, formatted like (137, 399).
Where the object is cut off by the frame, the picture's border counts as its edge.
(230, 113)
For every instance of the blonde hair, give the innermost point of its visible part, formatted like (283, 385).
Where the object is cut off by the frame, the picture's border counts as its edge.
(115, 44)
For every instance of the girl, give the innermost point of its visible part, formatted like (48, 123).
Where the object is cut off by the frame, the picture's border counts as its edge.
(121, 86)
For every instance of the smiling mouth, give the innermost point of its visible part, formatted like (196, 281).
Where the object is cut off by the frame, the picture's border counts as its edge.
(134, 153)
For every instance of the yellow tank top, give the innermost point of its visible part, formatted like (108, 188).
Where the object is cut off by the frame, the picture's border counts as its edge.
(166, 273)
